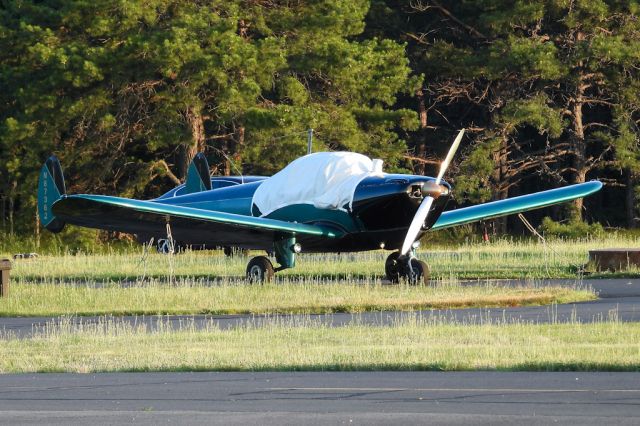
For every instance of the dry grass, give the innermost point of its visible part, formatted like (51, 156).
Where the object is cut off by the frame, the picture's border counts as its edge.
(188, 296)
(210, 283)
(412, 344)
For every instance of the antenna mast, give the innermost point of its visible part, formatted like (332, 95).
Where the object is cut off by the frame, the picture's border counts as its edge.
(309, 141)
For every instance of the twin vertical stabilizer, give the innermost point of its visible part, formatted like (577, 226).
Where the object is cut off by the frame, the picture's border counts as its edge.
(50, 189)
(198, 178)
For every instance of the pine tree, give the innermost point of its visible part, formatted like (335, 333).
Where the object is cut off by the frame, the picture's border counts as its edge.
(127, 92)
(540, 85)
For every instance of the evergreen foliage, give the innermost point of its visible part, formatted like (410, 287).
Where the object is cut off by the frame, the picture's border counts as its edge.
(126, 92)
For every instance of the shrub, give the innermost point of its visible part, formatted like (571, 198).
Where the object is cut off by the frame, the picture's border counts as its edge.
(571, 230)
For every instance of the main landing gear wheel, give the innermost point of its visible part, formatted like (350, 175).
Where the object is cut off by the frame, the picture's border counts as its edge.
(397, 268)
(392, 267)
(418, 273)
(260, 270)
(165, 246)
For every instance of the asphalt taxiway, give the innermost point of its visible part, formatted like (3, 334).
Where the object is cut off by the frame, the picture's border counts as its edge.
(617, 299)
(462, 398)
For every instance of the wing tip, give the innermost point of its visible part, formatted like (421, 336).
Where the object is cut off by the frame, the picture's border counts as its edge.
(592, 186)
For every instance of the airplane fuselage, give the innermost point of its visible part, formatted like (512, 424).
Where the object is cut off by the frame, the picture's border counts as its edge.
(381, 212)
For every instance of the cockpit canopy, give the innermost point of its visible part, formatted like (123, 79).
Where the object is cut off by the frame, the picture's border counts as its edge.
(326, 180)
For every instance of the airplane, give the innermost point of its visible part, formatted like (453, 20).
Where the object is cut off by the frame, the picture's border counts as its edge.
(321, 202)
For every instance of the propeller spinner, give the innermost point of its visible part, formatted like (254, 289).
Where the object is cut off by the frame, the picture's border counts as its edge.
(431, 192)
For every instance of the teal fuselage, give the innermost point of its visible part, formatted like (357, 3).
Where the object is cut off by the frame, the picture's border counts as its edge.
(381, 212)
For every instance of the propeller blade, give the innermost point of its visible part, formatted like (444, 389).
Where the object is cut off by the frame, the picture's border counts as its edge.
(452, 151)
(416, 224)
(423, 211)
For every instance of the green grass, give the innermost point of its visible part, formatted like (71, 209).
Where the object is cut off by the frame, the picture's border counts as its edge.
(496, 260)
(206, 282)
(413, 344)
(209, 282)
(233, 297)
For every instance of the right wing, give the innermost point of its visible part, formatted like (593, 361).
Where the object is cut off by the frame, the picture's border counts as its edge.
(513, 205)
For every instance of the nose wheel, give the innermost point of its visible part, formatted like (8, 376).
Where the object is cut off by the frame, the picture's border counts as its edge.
(403, 268)
(165, 246)
(259, 270)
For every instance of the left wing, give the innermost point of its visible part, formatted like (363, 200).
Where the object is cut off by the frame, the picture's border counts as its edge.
(519, 204)
(188, 224)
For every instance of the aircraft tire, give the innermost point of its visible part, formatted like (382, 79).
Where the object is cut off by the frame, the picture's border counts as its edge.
(164, 246)
(392, 267)
(417, 274)
(260, 270)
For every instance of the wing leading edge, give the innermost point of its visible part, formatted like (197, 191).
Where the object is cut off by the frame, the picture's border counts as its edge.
(515, 205)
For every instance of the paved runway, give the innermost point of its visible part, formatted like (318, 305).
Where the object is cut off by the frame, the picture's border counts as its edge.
(619, 298)
(321, 398)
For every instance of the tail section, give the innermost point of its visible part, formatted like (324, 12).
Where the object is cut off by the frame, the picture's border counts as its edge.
(198, 178)
(50, 189)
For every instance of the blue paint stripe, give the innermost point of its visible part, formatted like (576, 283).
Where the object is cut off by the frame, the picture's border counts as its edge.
(516, 204)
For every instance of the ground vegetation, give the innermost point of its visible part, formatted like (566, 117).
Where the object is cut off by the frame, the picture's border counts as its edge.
(414, 344)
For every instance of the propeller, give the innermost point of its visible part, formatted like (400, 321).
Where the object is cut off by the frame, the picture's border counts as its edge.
(431, 191)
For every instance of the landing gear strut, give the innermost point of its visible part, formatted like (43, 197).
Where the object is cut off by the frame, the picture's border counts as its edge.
(407, 268)
(260, 269)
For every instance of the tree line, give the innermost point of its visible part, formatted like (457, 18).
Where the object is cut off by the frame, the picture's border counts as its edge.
(126, 92)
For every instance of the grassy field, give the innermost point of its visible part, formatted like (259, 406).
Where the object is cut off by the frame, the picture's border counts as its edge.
(136, 282)
(413, 344)
(499, 259)
(207, 282)
(309, 296)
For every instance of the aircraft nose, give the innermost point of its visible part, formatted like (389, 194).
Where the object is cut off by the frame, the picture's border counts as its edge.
(434, 190)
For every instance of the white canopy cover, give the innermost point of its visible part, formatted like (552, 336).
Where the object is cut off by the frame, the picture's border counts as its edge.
(327, 180)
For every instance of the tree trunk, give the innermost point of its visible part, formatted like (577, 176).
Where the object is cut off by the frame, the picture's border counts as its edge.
(3, 213)
(500, 188)
(37, 230)
(579, 174)
(227, 162)
(578, 143)
(422, 144)
(12, 202)
(630, 199)
(237, 156)
(197, 144)
(10, 215)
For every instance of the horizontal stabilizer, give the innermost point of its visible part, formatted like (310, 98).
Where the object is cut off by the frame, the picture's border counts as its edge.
(516, 204)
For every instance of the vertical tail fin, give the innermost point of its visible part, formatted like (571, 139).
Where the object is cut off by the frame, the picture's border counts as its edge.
(50, 189)
(198, 178)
